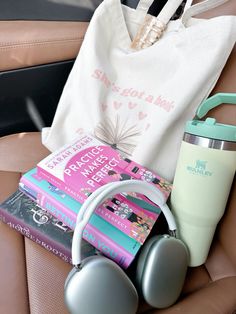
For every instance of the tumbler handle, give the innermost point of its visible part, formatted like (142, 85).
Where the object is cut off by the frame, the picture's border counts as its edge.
(214, 101)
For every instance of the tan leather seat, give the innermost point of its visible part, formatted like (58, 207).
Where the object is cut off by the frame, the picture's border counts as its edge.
(32, 279)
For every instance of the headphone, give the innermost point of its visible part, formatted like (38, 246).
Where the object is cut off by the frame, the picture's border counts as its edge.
(98, 285)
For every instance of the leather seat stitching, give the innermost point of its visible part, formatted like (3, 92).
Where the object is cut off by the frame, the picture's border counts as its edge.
(44, 43)
(40, 40)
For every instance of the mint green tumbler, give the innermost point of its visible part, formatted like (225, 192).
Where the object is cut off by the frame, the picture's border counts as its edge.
(203, 178)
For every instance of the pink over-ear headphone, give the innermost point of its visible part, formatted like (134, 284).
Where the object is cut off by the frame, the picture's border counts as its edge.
(97, 285)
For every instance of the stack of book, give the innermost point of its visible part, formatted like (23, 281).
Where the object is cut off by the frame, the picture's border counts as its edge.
(62, 181)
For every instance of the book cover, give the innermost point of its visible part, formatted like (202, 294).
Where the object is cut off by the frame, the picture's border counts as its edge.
(136, 222)
(123, 214)
(101, 234)
(25, 216)
(82, 166)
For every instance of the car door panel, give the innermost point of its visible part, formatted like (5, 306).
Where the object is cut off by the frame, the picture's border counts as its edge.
(29, 97)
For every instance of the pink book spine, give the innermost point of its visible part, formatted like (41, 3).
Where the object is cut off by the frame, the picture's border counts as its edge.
(61, 185)
(91, 234)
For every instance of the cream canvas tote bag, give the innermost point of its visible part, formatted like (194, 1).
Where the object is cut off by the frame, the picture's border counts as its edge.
(139, 100)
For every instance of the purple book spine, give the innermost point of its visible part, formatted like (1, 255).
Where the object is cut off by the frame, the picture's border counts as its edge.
(34, 235)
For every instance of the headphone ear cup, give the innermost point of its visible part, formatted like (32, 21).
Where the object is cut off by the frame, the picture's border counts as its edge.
(100, 286)
(161, 270)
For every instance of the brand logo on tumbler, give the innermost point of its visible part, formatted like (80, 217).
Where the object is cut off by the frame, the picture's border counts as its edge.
(200, 168)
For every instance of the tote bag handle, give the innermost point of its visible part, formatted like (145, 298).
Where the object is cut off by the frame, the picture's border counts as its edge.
(166, 13)
(172, 5)
(188, 4)
(143, 6)
(153, 27)
(201, 7)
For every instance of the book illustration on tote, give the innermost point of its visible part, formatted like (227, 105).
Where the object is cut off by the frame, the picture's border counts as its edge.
(102, 235)
(21, 213)
(120, 212)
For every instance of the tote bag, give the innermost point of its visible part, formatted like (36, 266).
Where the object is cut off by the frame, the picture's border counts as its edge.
(139, 101)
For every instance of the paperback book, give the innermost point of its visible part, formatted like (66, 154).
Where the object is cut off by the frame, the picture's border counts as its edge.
(82, 166)
(111, 241)
(25, 216)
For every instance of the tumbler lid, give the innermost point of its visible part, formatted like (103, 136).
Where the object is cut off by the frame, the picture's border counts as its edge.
(211, 129)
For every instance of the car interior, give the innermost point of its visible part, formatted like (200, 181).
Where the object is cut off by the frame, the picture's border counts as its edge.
(39, 41)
